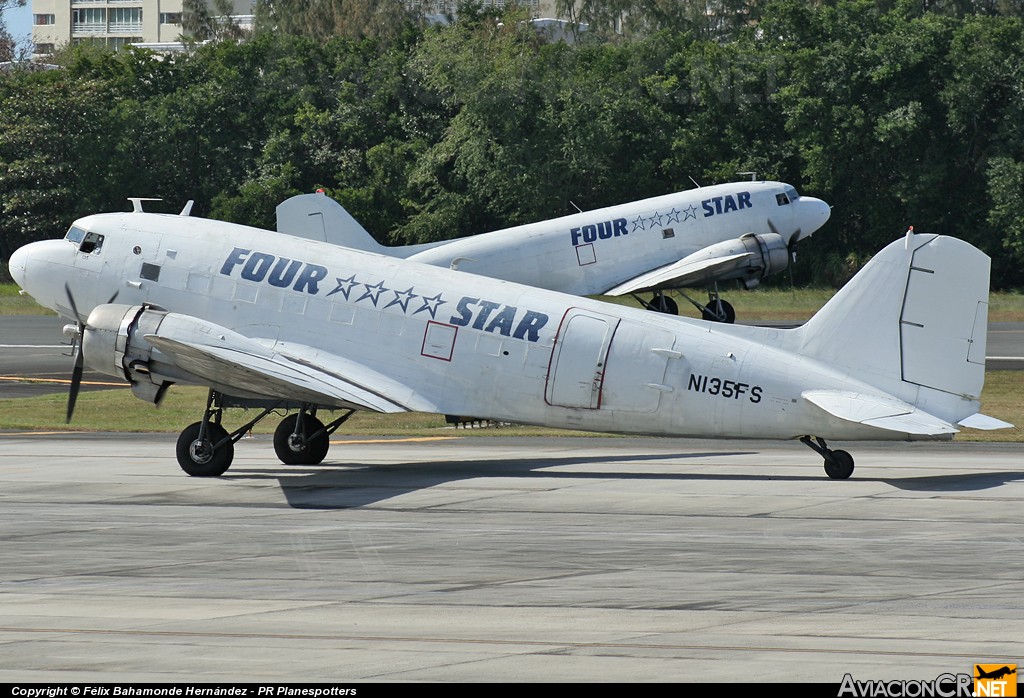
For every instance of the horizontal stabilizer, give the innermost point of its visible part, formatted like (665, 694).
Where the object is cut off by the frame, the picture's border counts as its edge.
(259, 371)
(686, 272)
(983, 421)
(881, 411)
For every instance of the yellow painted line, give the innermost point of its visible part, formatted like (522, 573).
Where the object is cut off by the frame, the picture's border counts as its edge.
(64, 381)
(400, 441)
(40, 433)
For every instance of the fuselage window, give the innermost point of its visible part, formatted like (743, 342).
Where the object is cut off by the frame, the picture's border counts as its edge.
(75, 235)
(92, 244)
(781, 199)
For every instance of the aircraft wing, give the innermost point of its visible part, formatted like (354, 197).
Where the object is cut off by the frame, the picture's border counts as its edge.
(689, 271)
(255, 369)
(879, 411)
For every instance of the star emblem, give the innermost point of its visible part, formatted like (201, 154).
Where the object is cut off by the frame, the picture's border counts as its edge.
(402, 299)
(373, 292)
(655, 220)
(431, 305)
(344, 286)
(638, 224)
(673, 216)
(690, 212)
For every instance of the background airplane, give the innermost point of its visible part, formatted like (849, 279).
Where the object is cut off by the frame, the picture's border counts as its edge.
(897, 353)
(741, 231)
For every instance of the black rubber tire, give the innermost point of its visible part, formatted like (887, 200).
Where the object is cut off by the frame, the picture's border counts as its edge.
(199, 459)
(839, 466)
(310, 453)
(728, 312)
(664, 304)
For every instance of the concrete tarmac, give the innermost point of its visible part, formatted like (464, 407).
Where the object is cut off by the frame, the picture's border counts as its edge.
(507, 560)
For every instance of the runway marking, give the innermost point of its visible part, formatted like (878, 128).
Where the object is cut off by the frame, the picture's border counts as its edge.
(64, 381)
(40, 433)
(35, 346)
(494, 642)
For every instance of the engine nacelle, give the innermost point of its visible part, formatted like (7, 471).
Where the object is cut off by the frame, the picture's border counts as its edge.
(769, 254)
(114, 344)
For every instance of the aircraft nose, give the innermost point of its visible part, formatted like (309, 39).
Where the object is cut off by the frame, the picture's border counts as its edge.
(17, 265)
(814, 214)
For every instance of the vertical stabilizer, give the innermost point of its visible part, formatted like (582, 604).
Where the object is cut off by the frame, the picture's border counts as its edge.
(319, 217)
(913, 323)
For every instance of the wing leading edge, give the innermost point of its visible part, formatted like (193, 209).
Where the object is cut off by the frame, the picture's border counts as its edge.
(257, 370)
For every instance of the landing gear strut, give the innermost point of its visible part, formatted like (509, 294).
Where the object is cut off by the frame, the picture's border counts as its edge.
(838, 464)
(717, 310)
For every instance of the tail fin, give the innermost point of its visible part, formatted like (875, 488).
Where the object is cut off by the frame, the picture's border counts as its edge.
(319, 217)
(913, 323)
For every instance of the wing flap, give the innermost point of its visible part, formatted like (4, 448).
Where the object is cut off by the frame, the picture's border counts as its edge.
(686, 272)
(258, 370)
(879, 411)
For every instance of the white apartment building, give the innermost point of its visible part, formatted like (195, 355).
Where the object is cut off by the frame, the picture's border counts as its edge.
(113, 23)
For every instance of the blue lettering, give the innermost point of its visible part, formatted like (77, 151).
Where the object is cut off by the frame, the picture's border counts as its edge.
(257, 266)
(589, 233)
(236, 257)
(309, 278)
(708, 210)
(730, 204)
(620, 227)
(529, 326)
(575, 232)
(744, 197)
(503, 321)
(465, 314)
(283, 272)
(485, 310)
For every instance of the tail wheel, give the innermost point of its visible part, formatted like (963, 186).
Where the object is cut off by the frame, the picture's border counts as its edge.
(203, 457)
(839, 465)
(299, 448)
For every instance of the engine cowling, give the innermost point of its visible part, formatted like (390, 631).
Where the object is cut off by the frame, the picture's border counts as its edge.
(114, 344)
(769, 254)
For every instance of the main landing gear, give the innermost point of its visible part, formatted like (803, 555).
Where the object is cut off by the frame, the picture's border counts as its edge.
(206, 449)
(717, 310)
(838, 464)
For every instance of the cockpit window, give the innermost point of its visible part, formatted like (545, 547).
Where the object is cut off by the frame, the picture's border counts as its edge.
(75, 235)
(92, 244)
(791, 192)
(781, 199)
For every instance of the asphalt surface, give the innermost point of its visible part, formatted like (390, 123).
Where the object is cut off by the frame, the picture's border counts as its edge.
(507, 560)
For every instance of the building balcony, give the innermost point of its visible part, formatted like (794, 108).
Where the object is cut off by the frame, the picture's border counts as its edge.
(125, 27)
(82, 29)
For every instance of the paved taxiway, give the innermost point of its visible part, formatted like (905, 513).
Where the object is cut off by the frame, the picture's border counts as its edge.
(505, 559)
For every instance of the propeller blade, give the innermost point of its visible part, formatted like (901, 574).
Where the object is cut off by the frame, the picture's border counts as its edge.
(76, 383)
(76, 372)
(71, 302)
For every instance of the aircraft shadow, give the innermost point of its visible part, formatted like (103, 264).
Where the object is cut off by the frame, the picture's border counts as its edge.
(349, 486)
(341, 486)
(958, 482)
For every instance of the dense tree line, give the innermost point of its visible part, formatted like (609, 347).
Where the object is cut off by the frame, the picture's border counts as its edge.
(896, 112)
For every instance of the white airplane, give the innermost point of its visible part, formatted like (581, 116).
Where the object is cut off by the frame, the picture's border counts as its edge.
(898, 353)
(741, 231)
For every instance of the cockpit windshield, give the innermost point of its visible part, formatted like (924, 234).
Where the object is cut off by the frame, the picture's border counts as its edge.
(791, 193)
(75, 235)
